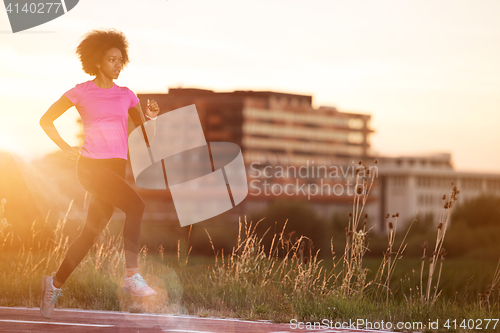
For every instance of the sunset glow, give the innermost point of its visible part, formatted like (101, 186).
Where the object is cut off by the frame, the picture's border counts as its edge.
(429, 80)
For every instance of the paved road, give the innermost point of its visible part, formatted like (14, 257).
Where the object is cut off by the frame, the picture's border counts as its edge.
(83, 321)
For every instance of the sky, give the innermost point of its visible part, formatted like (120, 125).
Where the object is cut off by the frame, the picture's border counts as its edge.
(427, 71)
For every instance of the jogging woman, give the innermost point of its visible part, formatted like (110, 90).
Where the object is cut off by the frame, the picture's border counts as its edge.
(104, 108)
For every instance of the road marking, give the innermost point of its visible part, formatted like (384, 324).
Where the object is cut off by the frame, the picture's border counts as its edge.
(144, 314)
(52, 323)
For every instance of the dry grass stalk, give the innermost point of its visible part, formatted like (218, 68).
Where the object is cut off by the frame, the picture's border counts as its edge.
(354, 275)
(439, 252)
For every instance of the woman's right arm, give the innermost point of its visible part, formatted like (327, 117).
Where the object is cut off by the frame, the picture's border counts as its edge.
(47, 123)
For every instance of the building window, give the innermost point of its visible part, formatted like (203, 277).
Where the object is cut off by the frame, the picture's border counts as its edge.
(355, 123)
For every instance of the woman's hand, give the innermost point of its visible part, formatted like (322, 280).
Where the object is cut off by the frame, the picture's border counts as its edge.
(73, 153)
(152, 109)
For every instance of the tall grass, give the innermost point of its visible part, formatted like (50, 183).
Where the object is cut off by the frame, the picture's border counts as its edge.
(285, 281)
(96, 282)
(354, 274)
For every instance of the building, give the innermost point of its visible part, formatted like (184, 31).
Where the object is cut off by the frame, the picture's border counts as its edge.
(413, 186)
(288, 145)
(290, 148)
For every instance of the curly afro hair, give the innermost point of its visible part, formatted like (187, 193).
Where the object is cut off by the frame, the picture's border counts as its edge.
(96, 43)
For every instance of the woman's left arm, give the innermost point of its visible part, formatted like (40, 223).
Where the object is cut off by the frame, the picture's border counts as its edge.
(137, 116)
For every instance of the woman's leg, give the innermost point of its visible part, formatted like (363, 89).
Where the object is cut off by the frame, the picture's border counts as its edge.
(98, 217)
(110, 187)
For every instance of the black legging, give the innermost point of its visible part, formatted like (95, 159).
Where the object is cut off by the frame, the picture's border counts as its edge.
(105, 180)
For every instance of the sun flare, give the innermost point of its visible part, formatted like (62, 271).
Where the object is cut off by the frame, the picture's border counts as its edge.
(5, 142)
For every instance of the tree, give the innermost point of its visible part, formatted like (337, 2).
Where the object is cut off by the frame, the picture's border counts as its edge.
(482, 211)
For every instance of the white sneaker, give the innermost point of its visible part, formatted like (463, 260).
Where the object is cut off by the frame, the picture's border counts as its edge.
(50, 294)
(137, 286)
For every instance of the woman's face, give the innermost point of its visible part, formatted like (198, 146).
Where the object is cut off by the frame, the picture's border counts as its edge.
(111, 63)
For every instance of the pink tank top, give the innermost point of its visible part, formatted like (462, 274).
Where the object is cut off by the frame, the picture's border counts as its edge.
(104, 114)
